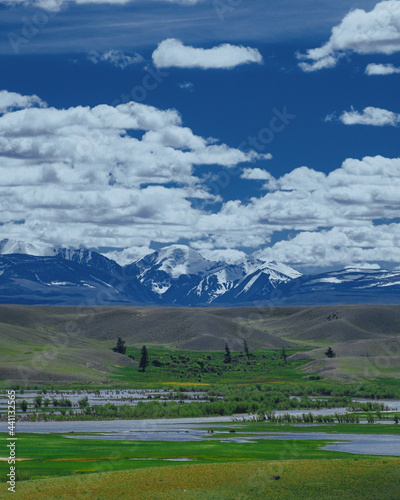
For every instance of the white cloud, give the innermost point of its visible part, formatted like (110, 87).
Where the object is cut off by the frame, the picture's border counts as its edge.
(339, 246)
(56, 5)
(337, 218)
(257, 174)
(12, 100)
(231, 256)
(365, 266)
(374, 32)
(77, 175)
(115, 57)
(172, 53)
(381, 69)
(376, 117)
(128, 255)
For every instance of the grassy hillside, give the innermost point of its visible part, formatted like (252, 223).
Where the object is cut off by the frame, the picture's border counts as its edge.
(73, 344)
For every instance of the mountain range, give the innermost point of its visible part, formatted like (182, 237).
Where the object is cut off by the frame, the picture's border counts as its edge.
(177, 275)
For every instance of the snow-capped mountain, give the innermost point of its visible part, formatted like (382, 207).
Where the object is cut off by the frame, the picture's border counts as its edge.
(260, 280)
(178, 275)
(8, 247)
(160, 269)
(181, 276)
(79, 256)
(91, 259)
(351, 285)
(28, 279)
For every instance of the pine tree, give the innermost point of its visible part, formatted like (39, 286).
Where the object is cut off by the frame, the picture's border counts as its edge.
(228, 357)
(144, 359)
(120, 347)
(330, 353)
(246, 349)
(284, 355)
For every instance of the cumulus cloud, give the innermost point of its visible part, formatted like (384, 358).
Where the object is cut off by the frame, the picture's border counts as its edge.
(256, 174)
(374, 32)
(381, 69)
(11, 100)
(115, 57)
(81, 176)
(172, 53)
(56, 5)
(344, 217)
(231, 256)
(339, 246)
(77, 175)
(376, 117)
(128, 255)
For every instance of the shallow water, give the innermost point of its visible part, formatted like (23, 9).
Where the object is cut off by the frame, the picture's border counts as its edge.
(115, 396)
(393, 405)
(116, 426)
(363, 444)
(195, 430)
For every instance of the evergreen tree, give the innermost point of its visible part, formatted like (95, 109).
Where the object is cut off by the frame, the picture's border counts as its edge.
(246, 349)
(144, 359)
(284, 355)
(120, 347)
(227, 357)
(330, 353)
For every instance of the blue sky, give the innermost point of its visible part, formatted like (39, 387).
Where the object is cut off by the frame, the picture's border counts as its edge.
(236, 127)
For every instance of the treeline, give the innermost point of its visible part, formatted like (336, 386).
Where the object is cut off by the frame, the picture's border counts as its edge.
(229, 400)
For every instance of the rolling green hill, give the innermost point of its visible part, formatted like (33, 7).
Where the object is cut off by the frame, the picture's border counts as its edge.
(73, 344)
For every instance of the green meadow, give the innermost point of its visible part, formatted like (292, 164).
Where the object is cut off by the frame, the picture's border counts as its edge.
(208, 367)
(286, 369)
(49, 455)
(57, 466)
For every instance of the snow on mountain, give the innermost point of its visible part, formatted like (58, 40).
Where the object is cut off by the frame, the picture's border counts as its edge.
(79, 256)
(176, 260)
(28, 279)
(8, 247)
(183, 276)
(351, 285)
(178, 275)
(162, 269)
(259, 279)
(128, 255)
(66, 277)
(91, 259)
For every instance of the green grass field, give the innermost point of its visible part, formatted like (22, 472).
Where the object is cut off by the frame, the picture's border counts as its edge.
(208, 367)
(38, 353)
(299, 480)
(49, 455)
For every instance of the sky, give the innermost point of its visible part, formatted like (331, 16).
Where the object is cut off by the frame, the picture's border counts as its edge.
(267, 128)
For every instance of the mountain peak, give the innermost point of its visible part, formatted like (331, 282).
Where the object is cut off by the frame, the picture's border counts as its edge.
(178, 275)
(177, 260)
(8, 247)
